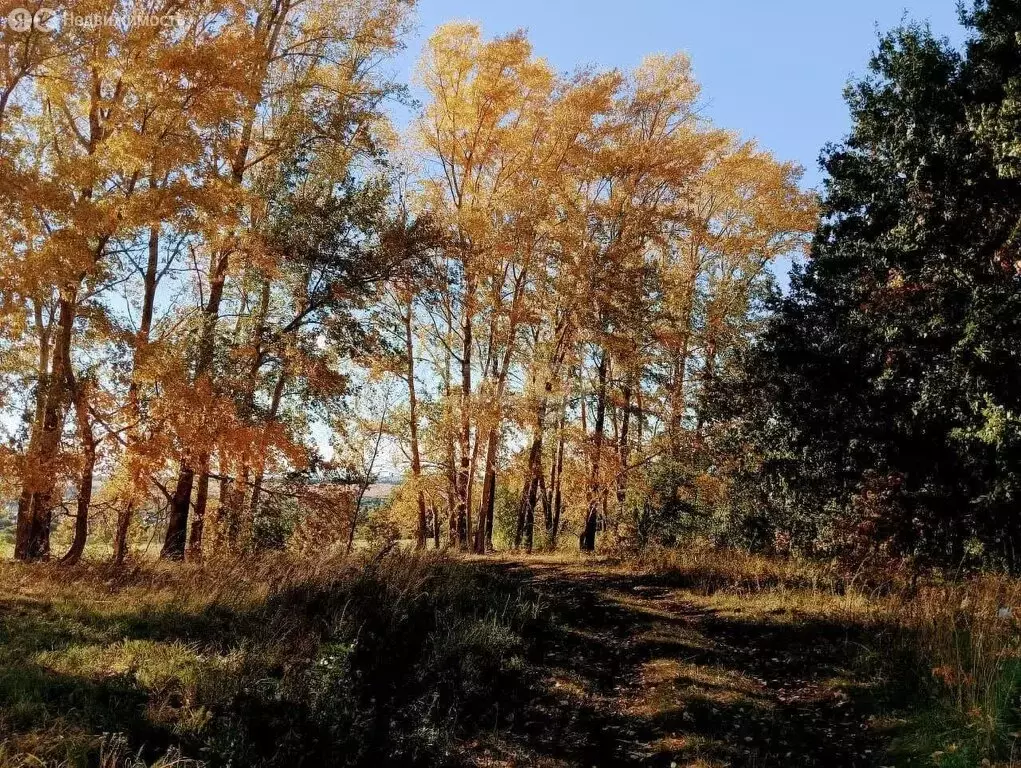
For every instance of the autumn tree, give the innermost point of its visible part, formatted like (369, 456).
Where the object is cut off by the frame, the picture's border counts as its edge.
(205, 243)
(480, 128)
(103, 118)
(312, 91)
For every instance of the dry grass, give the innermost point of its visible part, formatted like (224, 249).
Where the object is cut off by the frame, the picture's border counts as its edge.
(276, 658)
(961, 638)
(268, 662)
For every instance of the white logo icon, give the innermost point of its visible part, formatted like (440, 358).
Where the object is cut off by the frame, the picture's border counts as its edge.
(43, 19)
(23, 20)
(20, 20)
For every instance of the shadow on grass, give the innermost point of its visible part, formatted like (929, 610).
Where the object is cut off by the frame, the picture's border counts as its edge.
(386, 665)
(54, 709)
(433, 662)
(651, 680)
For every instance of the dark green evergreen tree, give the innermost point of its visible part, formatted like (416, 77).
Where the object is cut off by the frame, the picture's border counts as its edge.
(886, 393)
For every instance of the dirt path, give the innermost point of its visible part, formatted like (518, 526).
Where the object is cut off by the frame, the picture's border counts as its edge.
(639, 671)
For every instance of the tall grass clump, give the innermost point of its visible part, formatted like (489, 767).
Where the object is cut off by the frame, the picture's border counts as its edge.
(968, 647)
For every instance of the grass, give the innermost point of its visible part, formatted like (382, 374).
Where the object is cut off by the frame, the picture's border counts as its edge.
(253, 664)
(952, 648)
(693, 656)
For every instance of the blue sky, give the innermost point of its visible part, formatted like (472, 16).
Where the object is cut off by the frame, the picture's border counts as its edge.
(773, 70)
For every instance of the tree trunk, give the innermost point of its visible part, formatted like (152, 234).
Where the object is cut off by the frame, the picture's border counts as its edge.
(44, 362)
(533, 475)
(422, 522)
(88, 444)
(223, 507)
(452, 497)
(367, 476)
(483, 531)
(42, 389)
(35, 511)
(449, 437)
(557, 497)
(232, 523)
(198, 521)
(416, 457)
(677, 404)
(464, 479)
(588, 536)
(120, 537)
(623, 447)
(490, 512)
(708, 375)
(174, 543)
(354, 517)
(35, 504)
(529, 493)
(177, 524)
(500, 368)
(151, 280)
(533, 487)
(260, 476)
(487, 508)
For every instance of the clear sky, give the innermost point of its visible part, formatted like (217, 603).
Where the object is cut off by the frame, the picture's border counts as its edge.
(773, 70)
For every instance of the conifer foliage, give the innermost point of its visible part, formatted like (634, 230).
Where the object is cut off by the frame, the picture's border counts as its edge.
(886, 388)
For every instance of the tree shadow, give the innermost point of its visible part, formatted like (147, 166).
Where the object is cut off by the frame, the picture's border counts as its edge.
(364, 668)
(56, 706)
(639, 677)
(64, 718)
(616, 669)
